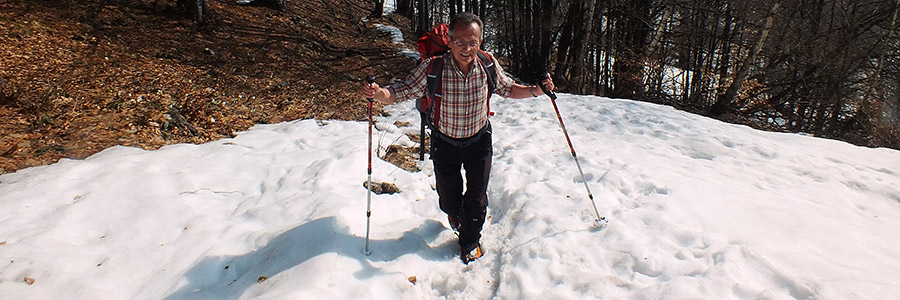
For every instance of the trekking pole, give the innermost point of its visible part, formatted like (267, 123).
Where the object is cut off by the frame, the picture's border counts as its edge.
(370, 79)
(422, 139)
(572, 148)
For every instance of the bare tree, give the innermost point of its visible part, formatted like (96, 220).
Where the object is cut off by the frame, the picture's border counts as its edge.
(725, 100)
(826, 67)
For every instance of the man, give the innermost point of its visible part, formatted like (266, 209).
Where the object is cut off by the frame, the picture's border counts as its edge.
(462, 140)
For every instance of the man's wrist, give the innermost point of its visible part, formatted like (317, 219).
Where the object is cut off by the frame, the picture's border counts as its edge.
(385, 94)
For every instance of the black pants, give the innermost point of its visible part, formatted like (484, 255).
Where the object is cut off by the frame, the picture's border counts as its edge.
(469, 208)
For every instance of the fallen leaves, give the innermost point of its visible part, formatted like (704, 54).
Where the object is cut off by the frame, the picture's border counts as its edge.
(405, 157)
(98, 77)
(382, 187)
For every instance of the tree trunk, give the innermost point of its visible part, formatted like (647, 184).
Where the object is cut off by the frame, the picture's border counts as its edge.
(405, 8)
(452, 7)
(482, 10)
(378, 10)
(657, 34)
(546, 10)
(424, 19)
(724, 101)
(628, 66)
(560, 74)
(576, 59)
(725, 59)
(604, 64)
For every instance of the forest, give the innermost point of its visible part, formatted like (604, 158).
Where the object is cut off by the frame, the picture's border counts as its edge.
(827, 68)
(80, 76)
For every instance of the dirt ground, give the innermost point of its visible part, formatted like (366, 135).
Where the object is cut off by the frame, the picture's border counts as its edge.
(77, 77)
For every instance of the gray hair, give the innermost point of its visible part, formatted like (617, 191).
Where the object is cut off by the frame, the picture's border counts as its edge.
(466, 18)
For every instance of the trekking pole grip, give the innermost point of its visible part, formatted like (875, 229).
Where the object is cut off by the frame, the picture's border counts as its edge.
(370, 80)
(546, 91)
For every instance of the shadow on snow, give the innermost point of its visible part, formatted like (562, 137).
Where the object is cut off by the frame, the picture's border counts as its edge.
(228, 277)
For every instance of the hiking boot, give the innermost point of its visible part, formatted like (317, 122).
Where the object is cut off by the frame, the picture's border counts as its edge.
(454, 222)
(471, 255)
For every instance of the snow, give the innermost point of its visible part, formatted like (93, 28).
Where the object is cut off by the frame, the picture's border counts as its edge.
(697, 209)
(396, 34)
(390, 6)
(397, 38)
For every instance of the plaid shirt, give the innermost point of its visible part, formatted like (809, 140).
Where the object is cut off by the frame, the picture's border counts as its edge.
(464, 99)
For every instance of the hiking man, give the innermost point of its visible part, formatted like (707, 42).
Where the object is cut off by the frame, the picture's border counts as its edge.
(462, 138)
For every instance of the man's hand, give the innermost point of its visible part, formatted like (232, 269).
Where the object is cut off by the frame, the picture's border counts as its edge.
(548, 83)
(519, 91)
(369, 90)
(377, 93)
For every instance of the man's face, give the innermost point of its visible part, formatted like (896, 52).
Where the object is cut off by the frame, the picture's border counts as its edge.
(465, 43)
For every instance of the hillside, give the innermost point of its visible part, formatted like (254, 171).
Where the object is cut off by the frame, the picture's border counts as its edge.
(77, 77)
(696, 209)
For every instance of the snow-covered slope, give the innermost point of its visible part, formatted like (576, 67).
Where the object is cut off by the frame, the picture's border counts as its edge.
(697, 209)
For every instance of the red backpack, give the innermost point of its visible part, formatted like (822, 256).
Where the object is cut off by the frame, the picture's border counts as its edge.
(434, 44)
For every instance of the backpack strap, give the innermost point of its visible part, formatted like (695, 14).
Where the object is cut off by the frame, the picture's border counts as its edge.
(491, 70)
(435, 89)
(431, 105)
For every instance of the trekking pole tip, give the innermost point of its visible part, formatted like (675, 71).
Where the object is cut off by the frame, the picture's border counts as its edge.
(600, 223)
